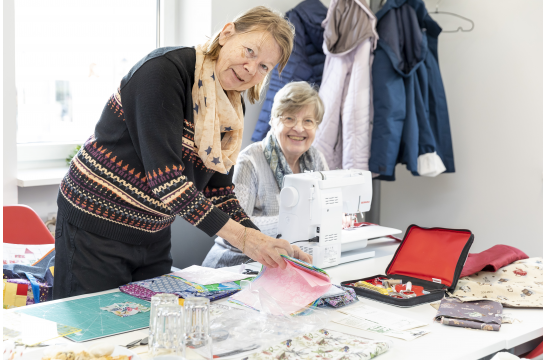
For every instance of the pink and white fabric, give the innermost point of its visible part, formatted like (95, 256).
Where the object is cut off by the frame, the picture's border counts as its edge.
(284, 292)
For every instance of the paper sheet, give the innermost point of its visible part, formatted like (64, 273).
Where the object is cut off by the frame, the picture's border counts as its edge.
(367, 318)
(283, 292)
(24, 254)
(207, 276)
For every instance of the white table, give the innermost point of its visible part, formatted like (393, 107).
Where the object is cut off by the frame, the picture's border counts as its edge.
(444, 342)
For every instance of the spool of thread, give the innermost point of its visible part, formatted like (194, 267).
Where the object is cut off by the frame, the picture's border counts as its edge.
(366, 285)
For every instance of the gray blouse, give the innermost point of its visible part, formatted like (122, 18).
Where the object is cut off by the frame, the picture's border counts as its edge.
(258, 193)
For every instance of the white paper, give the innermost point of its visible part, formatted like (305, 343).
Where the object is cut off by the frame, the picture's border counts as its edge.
(24, 254)
(382, 318)
(382, 322)
(207, 276)
(408, 334)
(367, 325)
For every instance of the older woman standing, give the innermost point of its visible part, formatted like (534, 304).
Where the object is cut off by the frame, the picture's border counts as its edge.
(259, 174)
(164, 146)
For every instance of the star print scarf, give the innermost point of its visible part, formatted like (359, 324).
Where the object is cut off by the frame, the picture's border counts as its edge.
(215, 111)
(278, 163)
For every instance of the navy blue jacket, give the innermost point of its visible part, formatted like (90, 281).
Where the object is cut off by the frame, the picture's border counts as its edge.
(307, 59)
(410, 106)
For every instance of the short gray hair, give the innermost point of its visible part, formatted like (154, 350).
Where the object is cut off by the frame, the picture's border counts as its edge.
(293, 97)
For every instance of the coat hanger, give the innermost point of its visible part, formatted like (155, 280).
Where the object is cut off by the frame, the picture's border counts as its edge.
(460, 28)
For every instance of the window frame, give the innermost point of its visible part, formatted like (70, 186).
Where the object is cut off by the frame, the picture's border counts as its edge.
(42, 157)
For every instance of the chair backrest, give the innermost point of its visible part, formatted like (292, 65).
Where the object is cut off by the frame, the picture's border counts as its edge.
(23, 226)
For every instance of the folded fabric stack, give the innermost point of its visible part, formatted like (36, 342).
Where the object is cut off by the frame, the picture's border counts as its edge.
(337, 297)
(175, 284)
(28, 284)
(21, 292)
(293, 291)
(481, 315)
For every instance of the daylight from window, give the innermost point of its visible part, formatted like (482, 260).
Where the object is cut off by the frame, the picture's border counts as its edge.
(70, 57)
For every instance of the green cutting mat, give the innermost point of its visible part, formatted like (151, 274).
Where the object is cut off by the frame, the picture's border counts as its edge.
(85, 314)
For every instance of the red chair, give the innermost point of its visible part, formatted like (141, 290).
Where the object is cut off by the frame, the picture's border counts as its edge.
(536, 352)
(23, 226)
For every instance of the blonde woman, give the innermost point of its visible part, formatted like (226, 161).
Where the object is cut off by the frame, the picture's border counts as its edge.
(164, 146)
(259, 174)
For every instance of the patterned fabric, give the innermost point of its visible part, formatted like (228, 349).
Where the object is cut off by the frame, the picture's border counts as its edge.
(140, 168)
(277, 161)
(324, 344)
(481, 315)
(519, 284)
(182, 288)
(215, 110)
(125, 309)
(338, 301)
(137, 291)
(19, 292)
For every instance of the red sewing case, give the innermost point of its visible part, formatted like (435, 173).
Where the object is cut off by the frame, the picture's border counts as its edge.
(429, 257)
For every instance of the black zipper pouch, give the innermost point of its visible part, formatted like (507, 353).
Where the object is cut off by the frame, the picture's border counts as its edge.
(429, 257)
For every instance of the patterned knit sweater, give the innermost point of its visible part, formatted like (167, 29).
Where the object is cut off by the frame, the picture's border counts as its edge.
(140, 168)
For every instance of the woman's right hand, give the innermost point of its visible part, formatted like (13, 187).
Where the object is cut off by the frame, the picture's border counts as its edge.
(265, 249)
(260, 247)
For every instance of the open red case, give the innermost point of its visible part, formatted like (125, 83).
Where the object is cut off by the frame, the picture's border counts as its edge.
(429, 257)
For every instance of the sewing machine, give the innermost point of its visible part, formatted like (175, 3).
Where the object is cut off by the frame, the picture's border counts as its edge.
(312, 205)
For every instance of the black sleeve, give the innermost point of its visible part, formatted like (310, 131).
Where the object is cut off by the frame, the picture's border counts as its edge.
(154, 101)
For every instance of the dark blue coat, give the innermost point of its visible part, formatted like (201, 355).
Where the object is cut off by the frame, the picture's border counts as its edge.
(410, 106)
(307, 59)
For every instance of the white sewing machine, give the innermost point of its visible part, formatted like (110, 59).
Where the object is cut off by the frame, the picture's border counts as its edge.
(312, 205)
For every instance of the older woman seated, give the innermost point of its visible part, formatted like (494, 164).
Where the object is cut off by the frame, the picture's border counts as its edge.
(259, 173)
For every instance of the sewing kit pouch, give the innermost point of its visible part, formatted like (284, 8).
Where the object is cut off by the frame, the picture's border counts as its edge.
(429, 257)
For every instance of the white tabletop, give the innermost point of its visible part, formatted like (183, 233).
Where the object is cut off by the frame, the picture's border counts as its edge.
(445, 342)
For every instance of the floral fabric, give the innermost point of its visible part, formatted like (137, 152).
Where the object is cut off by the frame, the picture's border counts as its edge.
(519, 284)
(338, 301)
(215, 111)
(125, 309)
(324, 344)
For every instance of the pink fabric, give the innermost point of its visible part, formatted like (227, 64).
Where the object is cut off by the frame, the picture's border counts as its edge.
(283, 292)
(492, 259)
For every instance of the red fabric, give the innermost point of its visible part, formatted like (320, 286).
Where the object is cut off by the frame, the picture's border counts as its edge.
(492, 259)
(429, 254)
(22, 289)
(536, 352)
(23, 226)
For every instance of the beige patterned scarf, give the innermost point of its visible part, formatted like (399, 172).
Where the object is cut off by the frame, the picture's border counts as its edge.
(215, 111)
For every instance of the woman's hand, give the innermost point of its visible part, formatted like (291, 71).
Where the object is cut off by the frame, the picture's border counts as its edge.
(265, 249)
(260, 247)
(301, 255)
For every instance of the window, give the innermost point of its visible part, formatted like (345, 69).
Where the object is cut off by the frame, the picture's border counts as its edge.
(70, 56)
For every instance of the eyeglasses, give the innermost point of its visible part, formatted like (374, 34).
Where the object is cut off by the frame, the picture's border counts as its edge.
(291, 121)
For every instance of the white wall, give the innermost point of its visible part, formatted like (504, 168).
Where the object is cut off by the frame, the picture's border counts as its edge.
(493, 80)
(9, 145)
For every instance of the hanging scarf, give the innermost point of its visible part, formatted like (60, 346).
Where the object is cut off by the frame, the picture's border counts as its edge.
(215, 111)
(277, 161)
